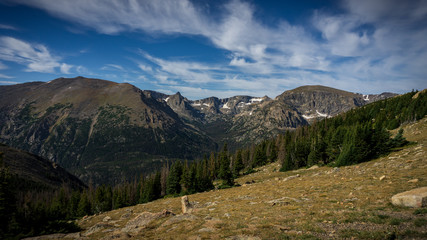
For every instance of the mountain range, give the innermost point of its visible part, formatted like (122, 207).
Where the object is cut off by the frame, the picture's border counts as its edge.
(103, 131)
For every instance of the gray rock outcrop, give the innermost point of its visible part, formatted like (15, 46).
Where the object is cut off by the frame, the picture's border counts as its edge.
(415, 198)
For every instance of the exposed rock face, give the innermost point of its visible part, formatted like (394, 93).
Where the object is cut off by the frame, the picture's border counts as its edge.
(415, 198)
(182, 106)
(314, 102)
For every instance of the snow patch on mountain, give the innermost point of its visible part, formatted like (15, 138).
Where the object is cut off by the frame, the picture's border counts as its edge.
(318, 114)
(366, 97)
(253, 100)
(225, 106)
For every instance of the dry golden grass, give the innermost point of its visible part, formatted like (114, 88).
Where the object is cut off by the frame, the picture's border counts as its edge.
(351, 202)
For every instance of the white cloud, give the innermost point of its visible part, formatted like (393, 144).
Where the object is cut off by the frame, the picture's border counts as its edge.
(5, 76)
(145, 68)
(240, 62)
(186, 71)
(112, 17)
(36, 57)
(65, 68)
(113, 67)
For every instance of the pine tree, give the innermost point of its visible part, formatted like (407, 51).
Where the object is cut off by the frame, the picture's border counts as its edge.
(186, 179)
(74, 204)
(273, 151)
(346, 157)
(260, 157)
(152, 188)
(224, 170)
(173, 185)
(238, 163)
(84, 207)
(399, 140)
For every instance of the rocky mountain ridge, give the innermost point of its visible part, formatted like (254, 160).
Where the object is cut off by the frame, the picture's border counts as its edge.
(105, 131)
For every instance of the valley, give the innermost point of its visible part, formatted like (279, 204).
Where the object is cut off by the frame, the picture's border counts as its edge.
(97, 128)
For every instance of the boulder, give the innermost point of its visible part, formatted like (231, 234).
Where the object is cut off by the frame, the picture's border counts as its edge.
(415, 198)
(186, 205)
(291, 177)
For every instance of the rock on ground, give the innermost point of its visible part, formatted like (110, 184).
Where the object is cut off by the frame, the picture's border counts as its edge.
(415, 198)
(143, 219)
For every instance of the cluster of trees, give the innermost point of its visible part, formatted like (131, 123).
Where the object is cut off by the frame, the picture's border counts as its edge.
(353, 137)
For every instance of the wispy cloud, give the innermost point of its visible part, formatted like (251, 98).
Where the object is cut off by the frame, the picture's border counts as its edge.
(65, 68)
(36, 57)
(112, 17)
(112, 67)
(186, 71)
(8, 27)
(5, 77)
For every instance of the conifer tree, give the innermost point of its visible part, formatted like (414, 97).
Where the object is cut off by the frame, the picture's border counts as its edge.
(399, 140)
(238, 163)
(186, 179)
(84, 207)
(224, 170)
(173, 185)
(260, 157)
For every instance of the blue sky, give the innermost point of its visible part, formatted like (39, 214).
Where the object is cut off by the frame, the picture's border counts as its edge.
(218, 48)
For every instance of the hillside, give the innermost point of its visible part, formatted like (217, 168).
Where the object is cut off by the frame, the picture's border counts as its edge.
(31, 171)
(350, 202)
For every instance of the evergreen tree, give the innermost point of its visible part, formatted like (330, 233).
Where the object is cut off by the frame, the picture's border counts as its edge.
(84, 207)
(74, 204)
(260, 157)
(399, 140)
(346, 157)
(224, 170)
(103, 199)
(273, 151)
(118, 198)
(288, 161)
(238, 163)
(173, 185)
(186, 179)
